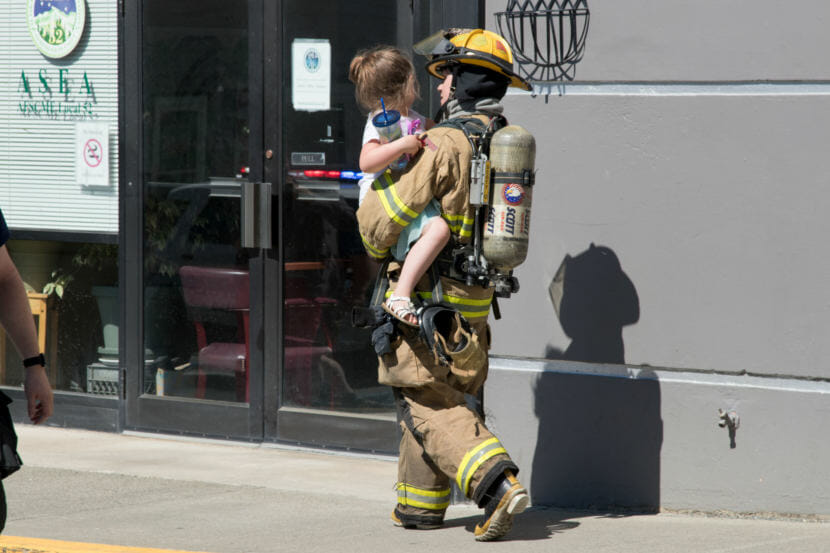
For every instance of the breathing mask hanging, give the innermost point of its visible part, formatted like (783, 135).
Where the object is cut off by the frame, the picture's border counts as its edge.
(452, 340)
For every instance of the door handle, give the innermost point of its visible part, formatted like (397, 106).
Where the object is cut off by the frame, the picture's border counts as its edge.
(256, 215)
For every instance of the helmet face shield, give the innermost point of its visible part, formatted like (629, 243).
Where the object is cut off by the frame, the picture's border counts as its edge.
(435, 44)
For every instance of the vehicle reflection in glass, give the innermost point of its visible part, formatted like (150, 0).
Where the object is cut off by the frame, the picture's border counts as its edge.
(329, 363)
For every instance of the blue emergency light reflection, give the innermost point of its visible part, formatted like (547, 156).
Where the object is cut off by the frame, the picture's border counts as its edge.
(324, 174)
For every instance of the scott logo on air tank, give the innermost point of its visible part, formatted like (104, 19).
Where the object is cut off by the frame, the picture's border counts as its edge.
(513, 193)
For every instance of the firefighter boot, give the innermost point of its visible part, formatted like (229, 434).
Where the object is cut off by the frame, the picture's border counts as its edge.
(506, 498)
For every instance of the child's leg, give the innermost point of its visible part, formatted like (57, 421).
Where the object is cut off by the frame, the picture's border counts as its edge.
(423, 252)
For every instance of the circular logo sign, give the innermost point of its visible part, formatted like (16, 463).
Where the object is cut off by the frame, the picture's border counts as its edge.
(312, 60)
(56, 26)
(513, 193)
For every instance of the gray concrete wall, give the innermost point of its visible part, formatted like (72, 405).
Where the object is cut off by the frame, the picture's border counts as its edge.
(603, 436)
(714, 208)
(708, 40)
(709, 195)
(692, 152)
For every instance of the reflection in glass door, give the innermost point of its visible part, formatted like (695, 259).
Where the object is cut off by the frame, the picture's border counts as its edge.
(195, 143)
(328, 390)
(328, 364)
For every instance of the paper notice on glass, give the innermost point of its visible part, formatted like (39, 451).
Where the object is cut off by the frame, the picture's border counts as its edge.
(92, 167)
(311, 74)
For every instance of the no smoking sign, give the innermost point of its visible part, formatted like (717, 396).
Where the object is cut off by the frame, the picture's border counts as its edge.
(92, 154)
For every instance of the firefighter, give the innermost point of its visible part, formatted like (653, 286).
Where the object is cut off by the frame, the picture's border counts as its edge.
(444, 439)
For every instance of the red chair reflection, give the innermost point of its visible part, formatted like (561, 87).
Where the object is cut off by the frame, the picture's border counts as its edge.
(303, 324)
(210, 292)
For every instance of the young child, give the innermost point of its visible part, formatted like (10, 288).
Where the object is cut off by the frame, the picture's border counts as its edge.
(385, 72)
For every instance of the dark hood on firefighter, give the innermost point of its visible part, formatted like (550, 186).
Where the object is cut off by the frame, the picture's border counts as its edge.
(473, 83)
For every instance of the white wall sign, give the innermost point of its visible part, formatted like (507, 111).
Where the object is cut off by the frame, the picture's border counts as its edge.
(311, 74)
(92, 166)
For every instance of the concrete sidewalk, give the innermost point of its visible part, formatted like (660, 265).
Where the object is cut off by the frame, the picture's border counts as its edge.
(221, 497)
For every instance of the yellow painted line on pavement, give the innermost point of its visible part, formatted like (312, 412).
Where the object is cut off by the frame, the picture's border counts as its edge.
(13, 544)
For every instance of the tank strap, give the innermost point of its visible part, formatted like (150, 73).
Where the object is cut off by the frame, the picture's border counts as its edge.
(525, 178)
(470, 127)
(437, 287)
(473, 125)
(381, 284)
(478, 134)
(465, 124)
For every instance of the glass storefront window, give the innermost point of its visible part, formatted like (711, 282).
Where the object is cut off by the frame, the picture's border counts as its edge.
(73, 291)
(195, 106)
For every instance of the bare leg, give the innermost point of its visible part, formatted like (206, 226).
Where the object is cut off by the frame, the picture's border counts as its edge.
(423, 252)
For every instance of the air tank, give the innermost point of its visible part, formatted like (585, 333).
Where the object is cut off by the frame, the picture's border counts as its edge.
(507, 229)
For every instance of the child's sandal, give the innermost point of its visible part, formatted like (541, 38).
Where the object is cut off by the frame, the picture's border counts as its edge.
(400, 312)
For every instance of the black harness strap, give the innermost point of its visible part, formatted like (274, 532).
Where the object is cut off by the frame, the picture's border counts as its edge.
(478, 135)
(381, 284)
(437, 287)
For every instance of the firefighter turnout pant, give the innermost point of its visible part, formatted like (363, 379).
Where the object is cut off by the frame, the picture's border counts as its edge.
(443, 441)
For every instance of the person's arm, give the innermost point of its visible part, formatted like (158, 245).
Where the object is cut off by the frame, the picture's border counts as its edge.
(16, 318)
(428, 175)
(374, 156)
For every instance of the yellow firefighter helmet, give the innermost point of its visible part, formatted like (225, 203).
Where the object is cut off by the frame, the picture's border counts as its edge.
(472, 47)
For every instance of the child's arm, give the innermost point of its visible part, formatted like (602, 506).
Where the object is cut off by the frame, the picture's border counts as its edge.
(429, 123)
(374, 156)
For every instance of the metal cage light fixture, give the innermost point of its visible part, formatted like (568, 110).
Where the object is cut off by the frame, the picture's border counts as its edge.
(547, 36)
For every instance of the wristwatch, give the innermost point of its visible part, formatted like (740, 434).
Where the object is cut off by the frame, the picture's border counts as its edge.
(36, 360)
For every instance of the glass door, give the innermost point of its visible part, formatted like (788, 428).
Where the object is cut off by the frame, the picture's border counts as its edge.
(232, 103)
(328, 390)
(198, 368)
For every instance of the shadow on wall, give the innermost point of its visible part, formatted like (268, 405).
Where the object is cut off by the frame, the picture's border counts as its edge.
(594, 299)
(599, 437)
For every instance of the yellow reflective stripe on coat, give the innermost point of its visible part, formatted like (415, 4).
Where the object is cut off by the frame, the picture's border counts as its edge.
(473, 459)
(392, 203)
(470, 308)
(459, 224)
(373, 251)
(435, 500)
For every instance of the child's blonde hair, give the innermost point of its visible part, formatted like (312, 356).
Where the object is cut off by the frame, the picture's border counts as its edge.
(383, 72)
